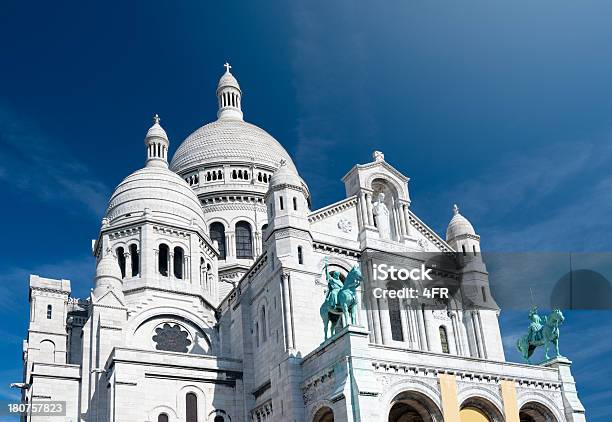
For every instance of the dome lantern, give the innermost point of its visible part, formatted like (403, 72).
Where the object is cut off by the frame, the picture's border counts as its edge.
(229, 96)
(157, 145)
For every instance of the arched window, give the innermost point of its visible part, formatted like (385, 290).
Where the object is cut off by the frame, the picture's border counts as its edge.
(162, 262)
(49, 311)
(135, 259)
(264, 325)
(294, 203)
(217, 232)
(191, 404)
(162, 418)
(179, 257)
(244, 240)
(444, 340)
(121, 260)
(219, 419)
(281, 203)
(300, 255)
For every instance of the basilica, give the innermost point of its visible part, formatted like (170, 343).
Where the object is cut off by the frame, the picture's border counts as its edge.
(211, 269)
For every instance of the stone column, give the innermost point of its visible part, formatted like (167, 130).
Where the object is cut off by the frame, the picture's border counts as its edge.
(448, 391)
(508, 392)
(128, 264)
(400, 210)
(385, 321)
(407, 218)
(171, 264)
(287, 312)
(404, 321)
(368, 197)
(364, 209)
(422, 330)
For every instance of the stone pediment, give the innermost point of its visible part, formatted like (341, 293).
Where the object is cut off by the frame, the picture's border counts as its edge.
(109, 299)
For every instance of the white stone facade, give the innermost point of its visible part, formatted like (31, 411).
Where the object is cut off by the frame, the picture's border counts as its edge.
(205, 304)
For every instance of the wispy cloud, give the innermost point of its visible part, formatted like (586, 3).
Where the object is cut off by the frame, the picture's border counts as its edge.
(32, 162)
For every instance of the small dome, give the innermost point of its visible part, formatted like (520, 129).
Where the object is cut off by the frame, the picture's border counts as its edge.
(158, 191)
(227, 79)
(459, 225)
(108, 267)
(156, 131)
(285, 176)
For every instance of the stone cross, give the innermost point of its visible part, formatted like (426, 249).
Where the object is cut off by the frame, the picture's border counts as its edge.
(227, 67)
(156, 119)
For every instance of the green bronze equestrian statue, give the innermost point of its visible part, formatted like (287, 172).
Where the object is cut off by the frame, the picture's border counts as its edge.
(341, 298)
(541, 334)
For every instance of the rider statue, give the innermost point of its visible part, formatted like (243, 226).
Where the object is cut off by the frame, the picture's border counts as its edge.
(534, 333)
(334, 284)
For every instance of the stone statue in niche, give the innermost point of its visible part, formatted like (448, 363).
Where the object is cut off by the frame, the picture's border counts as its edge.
(381, 212)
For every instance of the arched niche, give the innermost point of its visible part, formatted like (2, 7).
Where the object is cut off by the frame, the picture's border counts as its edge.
(413, 406)
(479, 409)
(536, 412)
(324, 414)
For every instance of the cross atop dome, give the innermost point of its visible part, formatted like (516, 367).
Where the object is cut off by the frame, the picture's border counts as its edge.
(156, 119)
(229, 96)
(455, 209)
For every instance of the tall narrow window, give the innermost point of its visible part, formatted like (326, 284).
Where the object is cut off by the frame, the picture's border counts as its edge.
(395, 319)
(300, 256)
(162, 263)
(179, 257)
(463, 249)
(135, 259)
(281, 203)
(256, 334)
(121, 260)
(217, 232)
(444, 340)
(474, 248)
(191, 403)
(484, 294)
(49, 311)
(294, 203)
(244, 240)
(264, 325)
(162, 418)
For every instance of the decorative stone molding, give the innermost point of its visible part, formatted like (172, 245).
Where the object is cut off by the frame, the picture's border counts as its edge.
(319, 386)
(333, 209)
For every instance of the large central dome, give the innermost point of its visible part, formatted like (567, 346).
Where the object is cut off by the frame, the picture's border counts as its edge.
(229, 140)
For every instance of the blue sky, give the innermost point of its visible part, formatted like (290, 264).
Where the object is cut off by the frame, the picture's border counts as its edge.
(505, 109)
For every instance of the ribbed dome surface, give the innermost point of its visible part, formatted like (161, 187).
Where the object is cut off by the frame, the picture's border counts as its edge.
(229, 140)
(160, 190)
(459, 225)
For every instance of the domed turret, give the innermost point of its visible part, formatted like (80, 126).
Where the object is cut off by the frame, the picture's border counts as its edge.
(108, 276)
(157, 145)
(460, 233)
(229, 95)
(155, 188)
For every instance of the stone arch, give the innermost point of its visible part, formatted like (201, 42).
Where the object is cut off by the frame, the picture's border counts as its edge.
(534, 411)
(491, 410)
(178, 314)
(413, 406)
(386, 178)
(181, 400)
(526, 397)
(47, 351)
(157, 410)
(219, 413)
(323, 414)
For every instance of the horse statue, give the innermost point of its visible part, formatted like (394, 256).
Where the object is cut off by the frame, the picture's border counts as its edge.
(341, 299)
(541, 334)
